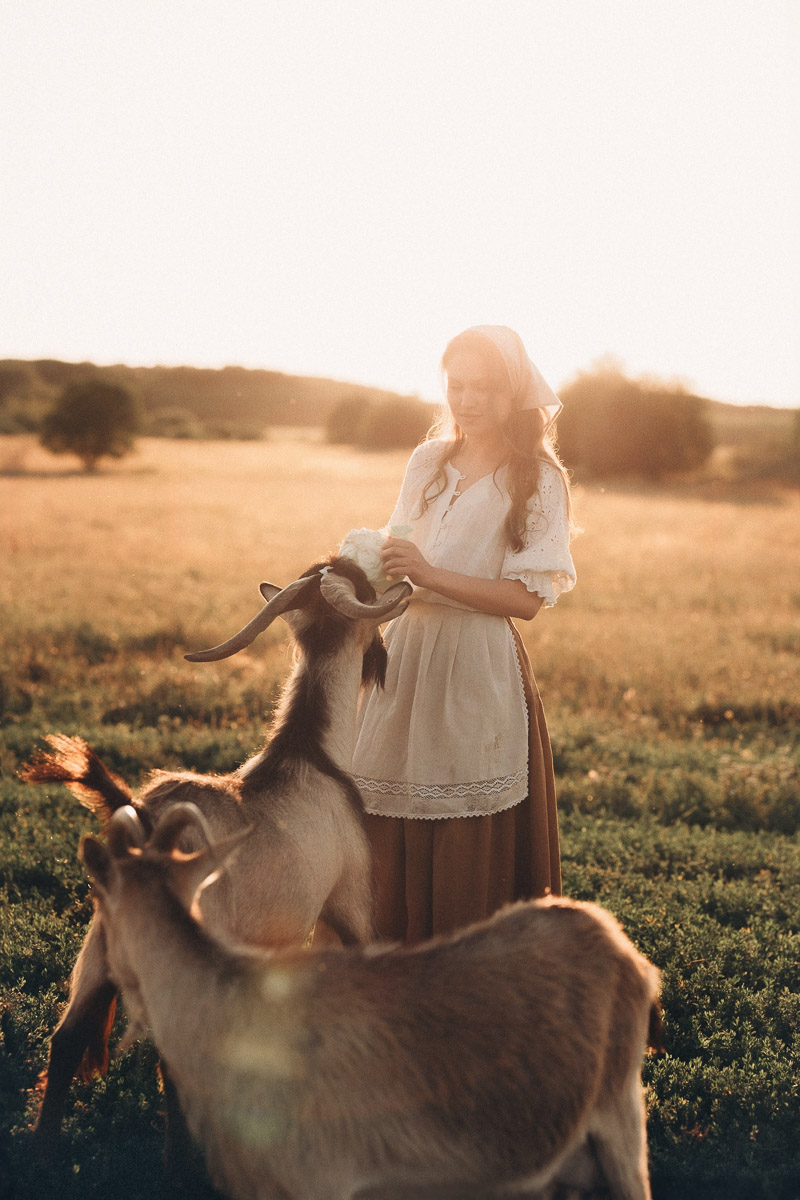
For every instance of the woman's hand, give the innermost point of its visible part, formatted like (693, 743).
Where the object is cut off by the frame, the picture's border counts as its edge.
(402, 558)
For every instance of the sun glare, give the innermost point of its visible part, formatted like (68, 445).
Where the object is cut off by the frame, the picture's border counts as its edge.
(338, 190)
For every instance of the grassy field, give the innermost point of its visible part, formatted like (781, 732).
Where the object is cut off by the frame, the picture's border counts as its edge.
(671, 683)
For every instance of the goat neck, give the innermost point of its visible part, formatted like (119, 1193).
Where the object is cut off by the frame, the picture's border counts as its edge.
(148, 932)
(316, 717)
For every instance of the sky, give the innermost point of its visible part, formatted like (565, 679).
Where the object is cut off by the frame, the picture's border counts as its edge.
(337, 187)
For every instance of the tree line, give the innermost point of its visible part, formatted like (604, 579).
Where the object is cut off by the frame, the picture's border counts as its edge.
(180, 401)
(611, 426)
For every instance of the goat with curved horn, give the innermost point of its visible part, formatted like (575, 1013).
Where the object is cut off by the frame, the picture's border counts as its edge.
(125, 831)
(340, 593)
(306, 856)
(173, 823)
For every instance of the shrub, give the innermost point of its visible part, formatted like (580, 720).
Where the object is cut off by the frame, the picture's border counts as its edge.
(91, 419)
(394, 423)
(232, 431)
(397, 424)
(612, 425)
(18, 417)
(174, 422)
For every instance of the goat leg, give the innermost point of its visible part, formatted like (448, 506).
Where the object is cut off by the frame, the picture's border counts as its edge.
(184, 1165)
(348, 909)
(80, 1040)
(620, 1142)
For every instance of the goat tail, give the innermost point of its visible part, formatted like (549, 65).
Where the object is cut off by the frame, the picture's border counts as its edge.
(72, 762)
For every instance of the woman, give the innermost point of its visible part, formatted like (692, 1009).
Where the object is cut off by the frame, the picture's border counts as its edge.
(453, 758)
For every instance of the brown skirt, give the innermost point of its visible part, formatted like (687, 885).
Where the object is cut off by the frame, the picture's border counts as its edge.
(435, 876)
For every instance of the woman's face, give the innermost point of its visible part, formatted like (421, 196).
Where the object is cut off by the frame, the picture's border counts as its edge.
(478, 391)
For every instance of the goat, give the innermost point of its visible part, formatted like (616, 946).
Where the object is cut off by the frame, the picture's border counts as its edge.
(307, 858)
(478, 1061)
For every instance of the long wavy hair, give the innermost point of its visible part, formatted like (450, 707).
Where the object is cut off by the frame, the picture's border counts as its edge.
(526, 441)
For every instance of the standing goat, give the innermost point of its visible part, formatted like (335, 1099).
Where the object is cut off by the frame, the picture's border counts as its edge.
(307, 856)
(478, 1061)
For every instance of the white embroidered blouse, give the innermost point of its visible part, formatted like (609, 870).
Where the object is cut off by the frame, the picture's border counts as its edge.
(448, 737)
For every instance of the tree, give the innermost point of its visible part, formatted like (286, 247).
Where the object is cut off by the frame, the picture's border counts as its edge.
(91, 419)
(612, 425)
(396, 424)
(391, 423)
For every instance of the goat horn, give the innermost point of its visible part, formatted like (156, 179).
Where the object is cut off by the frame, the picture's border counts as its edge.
(340, 594)
(184, 815)
(172, 824)
(125, 831)
(281, 603)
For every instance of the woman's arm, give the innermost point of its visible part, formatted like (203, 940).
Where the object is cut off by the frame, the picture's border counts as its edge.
(501, 597)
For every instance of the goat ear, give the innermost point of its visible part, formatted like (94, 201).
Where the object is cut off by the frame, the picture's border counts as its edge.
(269, 591)
(95, 857)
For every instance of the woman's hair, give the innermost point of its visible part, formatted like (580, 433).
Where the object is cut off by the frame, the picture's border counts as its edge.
(527, 441)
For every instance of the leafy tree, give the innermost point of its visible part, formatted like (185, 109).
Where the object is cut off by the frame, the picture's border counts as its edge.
(612, 425)
(91, 419)
(388, 423)
(397, 424)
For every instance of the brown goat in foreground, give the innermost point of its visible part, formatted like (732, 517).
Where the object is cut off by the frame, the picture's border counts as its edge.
(478, 1061)
(307, 855)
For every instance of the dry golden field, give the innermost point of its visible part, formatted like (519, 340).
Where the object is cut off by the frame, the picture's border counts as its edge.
(683, 600)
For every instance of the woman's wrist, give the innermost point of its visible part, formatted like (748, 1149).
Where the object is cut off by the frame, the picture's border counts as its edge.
(499, 597)
(431, 578)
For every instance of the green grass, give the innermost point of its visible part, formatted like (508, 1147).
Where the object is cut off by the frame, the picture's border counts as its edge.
(670, 681)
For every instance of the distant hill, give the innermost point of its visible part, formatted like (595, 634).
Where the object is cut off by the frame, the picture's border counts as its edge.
(238, 396)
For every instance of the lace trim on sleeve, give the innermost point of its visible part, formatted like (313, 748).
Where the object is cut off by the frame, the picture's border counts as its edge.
(544, 564)
(547, 584)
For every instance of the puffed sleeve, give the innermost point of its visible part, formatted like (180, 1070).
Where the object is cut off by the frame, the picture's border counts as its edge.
(544, 564)
(418, 472)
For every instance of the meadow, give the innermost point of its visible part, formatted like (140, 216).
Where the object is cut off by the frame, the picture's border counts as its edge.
(671, 684)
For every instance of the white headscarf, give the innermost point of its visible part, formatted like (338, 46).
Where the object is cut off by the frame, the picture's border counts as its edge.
(527, 382)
